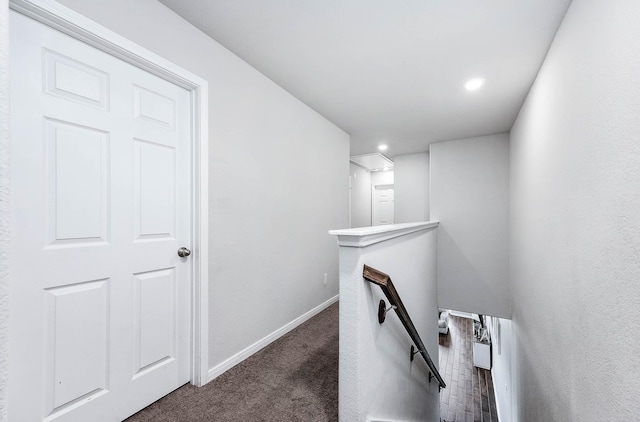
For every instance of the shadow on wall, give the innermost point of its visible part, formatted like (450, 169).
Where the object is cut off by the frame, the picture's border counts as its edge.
(460, 284)
(533, 380)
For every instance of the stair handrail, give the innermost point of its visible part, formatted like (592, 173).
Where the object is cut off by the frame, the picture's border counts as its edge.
(384, 281)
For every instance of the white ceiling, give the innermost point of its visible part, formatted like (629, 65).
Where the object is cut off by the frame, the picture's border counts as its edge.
(391, 71)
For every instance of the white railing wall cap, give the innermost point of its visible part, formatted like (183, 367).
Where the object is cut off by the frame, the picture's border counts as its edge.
(365, 236)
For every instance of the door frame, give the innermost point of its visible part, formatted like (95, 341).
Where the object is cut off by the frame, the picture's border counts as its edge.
(66, 20)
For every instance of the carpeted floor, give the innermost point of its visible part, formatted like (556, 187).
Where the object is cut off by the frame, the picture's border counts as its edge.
(293, 379)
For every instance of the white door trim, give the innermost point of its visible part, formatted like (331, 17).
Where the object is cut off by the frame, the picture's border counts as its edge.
(78, 26)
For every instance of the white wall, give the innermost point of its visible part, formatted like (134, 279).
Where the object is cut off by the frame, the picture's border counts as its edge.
(360, 179)
(384, 177)
(377, 378)
(470, 198)
(501, 363)
(4, 206)
(411, 187)
(575, 226)
(269, 210)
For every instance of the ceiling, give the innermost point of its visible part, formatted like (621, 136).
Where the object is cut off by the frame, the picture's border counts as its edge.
(388, 71)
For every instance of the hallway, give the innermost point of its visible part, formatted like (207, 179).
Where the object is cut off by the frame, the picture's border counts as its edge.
(469, 396)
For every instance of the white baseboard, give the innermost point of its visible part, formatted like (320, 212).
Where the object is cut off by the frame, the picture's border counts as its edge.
(221, 368)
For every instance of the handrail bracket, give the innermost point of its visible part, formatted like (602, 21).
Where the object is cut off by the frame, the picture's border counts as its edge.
(382, 310)
(413, 353)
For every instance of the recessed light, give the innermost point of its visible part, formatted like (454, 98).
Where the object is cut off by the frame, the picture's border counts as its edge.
(474, 84)
(382, 147)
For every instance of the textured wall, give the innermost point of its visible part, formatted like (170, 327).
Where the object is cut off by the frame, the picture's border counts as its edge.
(575, 226)
(470, 199)
(377, 379)
(4, 205)
(411, 187)
(277, 181)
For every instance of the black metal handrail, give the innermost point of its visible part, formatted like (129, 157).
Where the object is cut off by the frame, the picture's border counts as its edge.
(384, 281)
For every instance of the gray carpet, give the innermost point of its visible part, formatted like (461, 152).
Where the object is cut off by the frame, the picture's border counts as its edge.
(293, 379)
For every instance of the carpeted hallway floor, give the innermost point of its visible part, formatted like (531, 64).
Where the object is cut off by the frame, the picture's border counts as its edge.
(293, 379)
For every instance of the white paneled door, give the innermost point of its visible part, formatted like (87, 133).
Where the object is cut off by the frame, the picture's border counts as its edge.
(100, 299)
(383, 205)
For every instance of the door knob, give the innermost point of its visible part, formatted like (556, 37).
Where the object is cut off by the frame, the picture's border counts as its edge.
(184, 252)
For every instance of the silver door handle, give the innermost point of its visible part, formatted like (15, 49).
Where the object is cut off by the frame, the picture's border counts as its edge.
(184, 252)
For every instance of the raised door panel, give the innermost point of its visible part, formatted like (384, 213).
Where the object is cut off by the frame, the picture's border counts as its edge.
(78, 179)
(155, 191)
(154, 320)
(154, 108)
(76, 81)
(78, 344)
